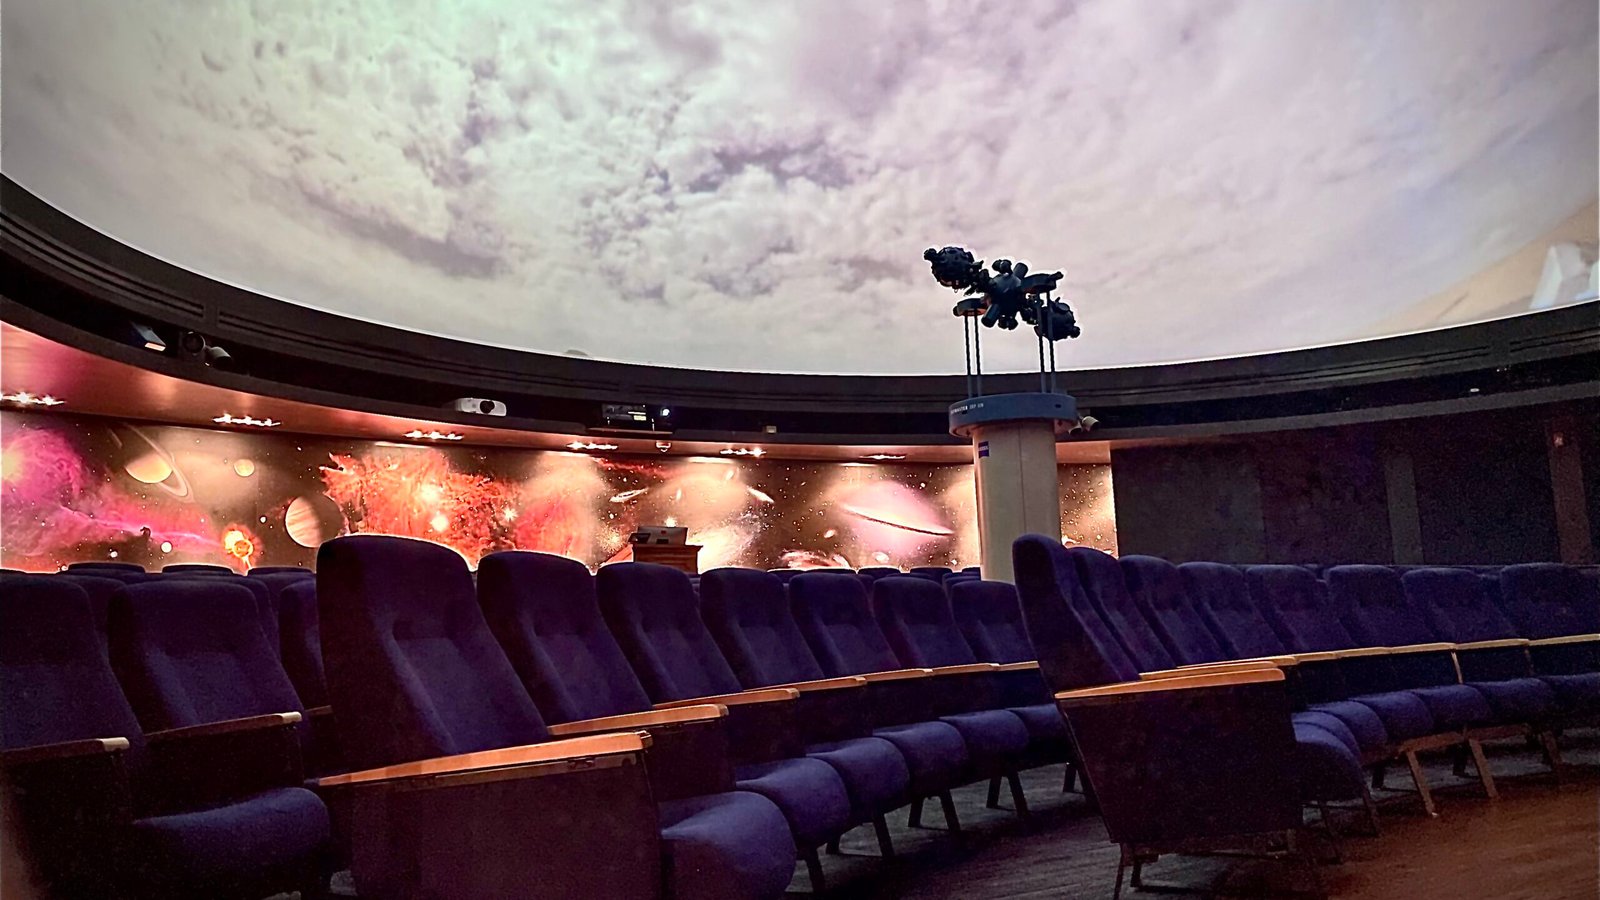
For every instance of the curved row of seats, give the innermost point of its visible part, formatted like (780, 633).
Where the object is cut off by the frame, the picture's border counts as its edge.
(724, 727)
(1271, 675)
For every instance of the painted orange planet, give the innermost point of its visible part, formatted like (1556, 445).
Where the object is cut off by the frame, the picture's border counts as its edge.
(312, 519)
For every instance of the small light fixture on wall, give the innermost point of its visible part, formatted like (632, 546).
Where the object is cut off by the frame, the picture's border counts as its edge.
(420, 435)
(27, 398)
(585, 445)
(885, 456)
(744, 451)
(247, 421)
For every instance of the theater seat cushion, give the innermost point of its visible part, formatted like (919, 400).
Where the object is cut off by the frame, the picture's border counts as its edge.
(808, 791)
(1455, 706)
(1576, 694)
(875, 774)
(731, 845)
(1404, 714)
(1519, 699)
(995, 738)
(1046, 728)
(1328, 770)
(934, 752)
(223, 850)
(1363, 721)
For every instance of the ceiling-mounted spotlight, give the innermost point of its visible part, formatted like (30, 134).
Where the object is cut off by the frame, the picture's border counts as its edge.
(885, 456)
(247, 421)
(587, 445)
(744, 451)
(196, 346)
(418, 434)
(663, 446)
(142, 335)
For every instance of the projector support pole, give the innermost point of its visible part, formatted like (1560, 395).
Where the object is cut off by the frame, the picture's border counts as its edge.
(966, 347)
(1014, 457)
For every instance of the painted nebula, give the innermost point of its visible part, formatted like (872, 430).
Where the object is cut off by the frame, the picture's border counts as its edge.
(82, 489)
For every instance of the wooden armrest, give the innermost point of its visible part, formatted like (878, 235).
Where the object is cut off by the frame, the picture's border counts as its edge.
(64, 750)
(1493, 645)
(969, 669)
(1283, 661)
(1421, 648)
(319, 712)
(897, 675)
(1565, 639)
(744, 698)
(1206, 669)
(1319, 656)
(704, 712)
(1362, 652)
(528, 754)
(228, 726)
(825, 684)
(1220, 679)
(1031, 665)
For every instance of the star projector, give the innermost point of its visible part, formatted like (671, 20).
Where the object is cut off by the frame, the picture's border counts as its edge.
(1010, 295)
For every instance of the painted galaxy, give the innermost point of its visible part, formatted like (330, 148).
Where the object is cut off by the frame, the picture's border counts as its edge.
(77, 488)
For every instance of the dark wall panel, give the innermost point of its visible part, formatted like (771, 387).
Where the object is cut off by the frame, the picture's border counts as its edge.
(1189, 503)
(1483, 491)
(1322, 499)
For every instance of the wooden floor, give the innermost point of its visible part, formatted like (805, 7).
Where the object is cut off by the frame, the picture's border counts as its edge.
(1536, 841)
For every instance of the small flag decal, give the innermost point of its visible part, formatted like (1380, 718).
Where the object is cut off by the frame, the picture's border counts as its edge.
(983, 449)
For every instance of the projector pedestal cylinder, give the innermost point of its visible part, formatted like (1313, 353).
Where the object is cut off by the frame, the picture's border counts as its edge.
(1014, 456)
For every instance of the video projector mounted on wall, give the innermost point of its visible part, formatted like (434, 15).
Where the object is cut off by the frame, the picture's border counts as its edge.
(634, 418)
(478, 406)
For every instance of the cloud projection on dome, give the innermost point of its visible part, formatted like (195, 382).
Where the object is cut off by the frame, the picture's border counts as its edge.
(721, 185)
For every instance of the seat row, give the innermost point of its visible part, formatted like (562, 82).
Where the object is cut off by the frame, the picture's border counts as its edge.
(811, 707)
(1269, 675)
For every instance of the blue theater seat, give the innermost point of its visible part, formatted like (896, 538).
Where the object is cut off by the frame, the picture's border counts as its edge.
(201, 812)
(264, 598)
(656, 621)
(109, 569)
(1157, 589)
(1458, 609)
(1295, 602)
(837, 620)
(920, 626)
(748, 614)
(1554, 606)
(1100, 585)
(99, 590)
(1208, 758)
(876, 572)
(196, 569)
(300, 641)
(413, 668)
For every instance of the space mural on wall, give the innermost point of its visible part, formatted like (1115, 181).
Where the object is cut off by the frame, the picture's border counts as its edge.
(79, 488)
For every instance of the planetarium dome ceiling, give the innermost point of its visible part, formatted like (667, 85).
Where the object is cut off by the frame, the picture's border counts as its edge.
(731, 185)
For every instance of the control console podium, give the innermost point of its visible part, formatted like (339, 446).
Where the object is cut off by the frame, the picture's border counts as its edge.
(683, 557)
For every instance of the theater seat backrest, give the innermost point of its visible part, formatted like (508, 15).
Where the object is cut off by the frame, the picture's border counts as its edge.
(412, 668)
(990, 617)
(747, 612)
(264, 599)
(1456, 605)
(56, 683)
(835, 616)
(1549, 600)
(1222, 595)
(1295, 603)
(189, 651)
(99, 591)
(300, 641)
(1075, 648)
(914, 615)
(1372, 603)
(1157, 590)
(653, 613)
(546, 616)
(1102, 582)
